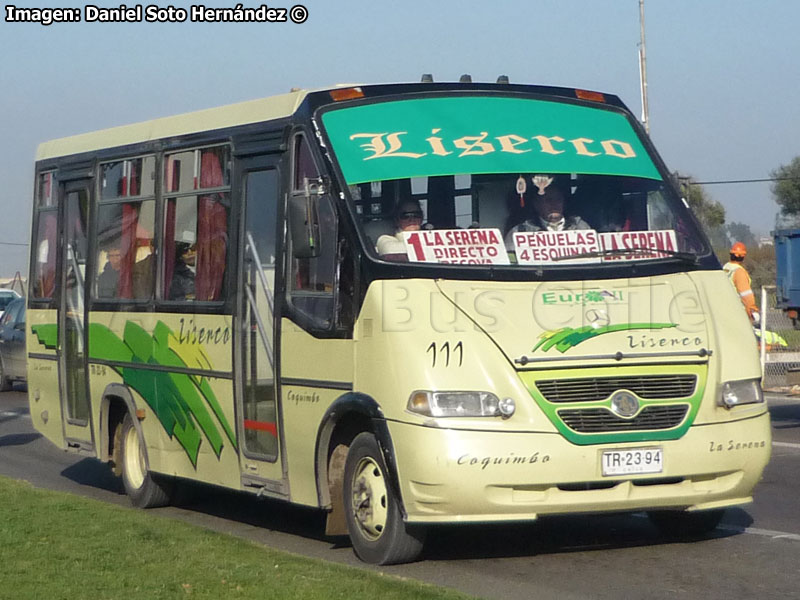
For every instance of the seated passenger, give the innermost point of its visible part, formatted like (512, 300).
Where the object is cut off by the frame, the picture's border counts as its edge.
(144, 272)
(182, 285)
(108, 280)
(407, 217)
(545, 212)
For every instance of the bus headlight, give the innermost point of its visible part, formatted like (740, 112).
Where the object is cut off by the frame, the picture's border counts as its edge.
(460, 404)
(736, 393)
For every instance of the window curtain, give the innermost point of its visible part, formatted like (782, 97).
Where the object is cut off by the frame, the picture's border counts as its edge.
(169, 246)
(127, 243)
(172, 178)
(135, 171)
(130, 219)
(47, 250)
(212, 230)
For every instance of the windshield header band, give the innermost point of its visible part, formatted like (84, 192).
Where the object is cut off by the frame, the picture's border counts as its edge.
(479, 134)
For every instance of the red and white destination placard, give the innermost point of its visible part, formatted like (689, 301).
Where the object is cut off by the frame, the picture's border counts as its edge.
(543, 247)
(457, 246)
(663, 239)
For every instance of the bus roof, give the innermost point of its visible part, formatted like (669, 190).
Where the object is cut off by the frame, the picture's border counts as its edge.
(260, 110)
(242, 113)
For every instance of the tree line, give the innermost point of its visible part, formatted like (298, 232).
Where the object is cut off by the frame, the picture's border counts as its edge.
(760, 260)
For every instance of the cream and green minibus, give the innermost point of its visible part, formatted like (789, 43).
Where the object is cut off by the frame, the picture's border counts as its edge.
(405, 304)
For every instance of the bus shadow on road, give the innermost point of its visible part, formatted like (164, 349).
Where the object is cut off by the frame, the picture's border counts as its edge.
(247, 509)
(548, 535)
(212, 501)
(785, 416)
(91, 472)
(19, 439)
(563, 534)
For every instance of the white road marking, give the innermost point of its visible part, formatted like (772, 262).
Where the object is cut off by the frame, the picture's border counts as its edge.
(783, 535)
(786, 445)
(11, 413)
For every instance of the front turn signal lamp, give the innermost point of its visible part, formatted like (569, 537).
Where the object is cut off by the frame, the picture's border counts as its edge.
(348, 93)
(736, 393)
(460, 404)
(588, 95)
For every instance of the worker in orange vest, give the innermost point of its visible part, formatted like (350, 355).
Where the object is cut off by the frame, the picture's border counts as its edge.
(740, 279)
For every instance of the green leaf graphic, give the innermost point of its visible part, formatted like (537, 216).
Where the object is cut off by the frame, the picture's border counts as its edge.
(180, 401)
(568, 337)
(47, 335)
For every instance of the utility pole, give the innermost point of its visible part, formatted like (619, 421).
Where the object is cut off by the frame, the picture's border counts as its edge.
(643, 70)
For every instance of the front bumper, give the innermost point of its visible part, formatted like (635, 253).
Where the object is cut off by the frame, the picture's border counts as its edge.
(458, 476)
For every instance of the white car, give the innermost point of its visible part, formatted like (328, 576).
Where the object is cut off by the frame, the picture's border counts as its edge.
(6, 296)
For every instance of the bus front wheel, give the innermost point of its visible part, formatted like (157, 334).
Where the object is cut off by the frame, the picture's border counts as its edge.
(142, 487)
(376, 527)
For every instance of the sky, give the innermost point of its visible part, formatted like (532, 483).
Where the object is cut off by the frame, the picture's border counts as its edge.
(723, 75)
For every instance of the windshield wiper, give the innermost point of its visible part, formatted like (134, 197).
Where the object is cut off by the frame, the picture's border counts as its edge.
(688, 257)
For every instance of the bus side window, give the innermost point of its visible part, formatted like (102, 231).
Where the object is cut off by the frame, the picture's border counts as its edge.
(311, 280)
(125, 266)
(197, 184)
(44, 251)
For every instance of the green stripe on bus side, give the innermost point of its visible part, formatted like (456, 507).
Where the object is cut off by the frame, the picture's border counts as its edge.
(180, 401)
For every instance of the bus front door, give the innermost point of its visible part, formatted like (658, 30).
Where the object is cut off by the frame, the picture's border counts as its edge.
(262, 460)
(75, 411)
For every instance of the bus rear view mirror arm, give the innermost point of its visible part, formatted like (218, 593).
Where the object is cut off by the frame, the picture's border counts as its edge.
(304, 219)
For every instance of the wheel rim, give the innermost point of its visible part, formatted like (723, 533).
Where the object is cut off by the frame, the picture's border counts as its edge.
(369, 498)
(134, 459)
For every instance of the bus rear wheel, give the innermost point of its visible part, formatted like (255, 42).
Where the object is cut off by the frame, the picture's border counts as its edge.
(144, 489)
(377, 531)
(684, 524)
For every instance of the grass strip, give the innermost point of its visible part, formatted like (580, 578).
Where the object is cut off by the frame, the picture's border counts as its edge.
(55, 545)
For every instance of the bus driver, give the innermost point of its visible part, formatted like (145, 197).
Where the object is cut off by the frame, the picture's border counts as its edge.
(407, 217)
(548, 211)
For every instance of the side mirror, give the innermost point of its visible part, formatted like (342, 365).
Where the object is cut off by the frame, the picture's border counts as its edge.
(304, 219)
(20, 325)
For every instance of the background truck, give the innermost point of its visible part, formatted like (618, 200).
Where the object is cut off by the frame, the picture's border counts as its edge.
(787, 279)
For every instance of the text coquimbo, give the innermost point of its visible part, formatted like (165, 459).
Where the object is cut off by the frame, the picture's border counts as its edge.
(153, 13)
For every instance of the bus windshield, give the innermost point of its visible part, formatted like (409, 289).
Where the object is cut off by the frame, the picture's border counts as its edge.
(472, 180)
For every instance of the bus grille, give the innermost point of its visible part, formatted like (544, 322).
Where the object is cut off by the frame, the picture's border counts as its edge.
(651, 387)
(597, 420)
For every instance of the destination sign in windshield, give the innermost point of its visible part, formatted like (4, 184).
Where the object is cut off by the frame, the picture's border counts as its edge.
(486, 247)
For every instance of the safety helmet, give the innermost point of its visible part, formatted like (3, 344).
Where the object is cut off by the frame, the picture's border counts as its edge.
(739, 250)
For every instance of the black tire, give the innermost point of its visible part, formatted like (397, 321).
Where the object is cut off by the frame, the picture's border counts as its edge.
(682, 524)
(5, 382)
(144, 489)
(377, 531)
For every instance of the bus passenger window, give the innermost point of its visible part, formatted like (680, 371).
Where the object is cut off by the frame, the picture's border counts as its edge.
(125, 267)
(44, 258)
(196, 224)
(44, 250)
(125, 264)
